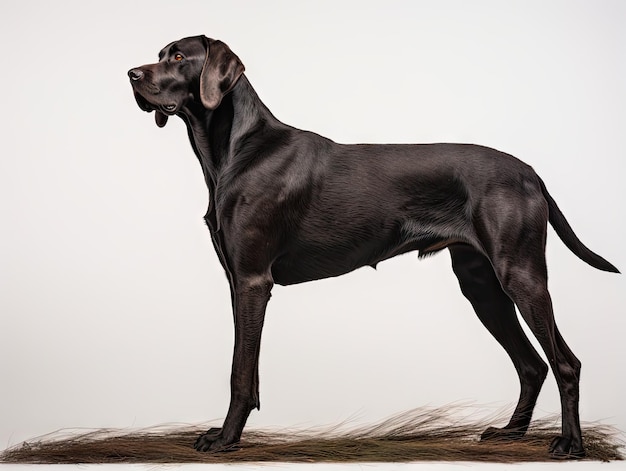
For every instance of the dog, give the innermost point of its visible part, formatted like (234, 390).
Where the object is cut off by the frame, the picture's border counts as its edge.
(289, 206)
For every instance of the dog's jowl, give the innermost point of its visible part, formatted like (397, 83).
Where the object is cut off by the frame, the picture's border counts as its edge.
(288, 206)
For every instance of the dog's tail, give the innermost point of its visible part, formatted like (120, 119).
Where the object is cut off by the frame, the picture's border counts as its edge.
(572, 242)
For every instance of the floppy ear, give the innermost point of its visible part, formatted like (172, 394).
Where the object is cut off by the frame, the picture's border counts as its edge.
(222, 68)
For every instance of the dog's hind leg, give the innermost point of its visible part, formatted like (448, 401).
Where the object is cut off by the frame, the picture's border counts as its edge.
(516, 248)
(533, 300)
(496, 311)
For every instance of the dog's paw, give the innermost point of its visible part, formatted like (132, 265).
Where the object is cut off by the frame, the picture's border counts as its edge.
(213, 440)
(563, 448)
(494, 433)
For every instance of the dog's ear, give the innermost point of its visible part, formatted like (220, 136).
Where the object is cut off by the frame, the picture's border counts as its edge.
(222, 68)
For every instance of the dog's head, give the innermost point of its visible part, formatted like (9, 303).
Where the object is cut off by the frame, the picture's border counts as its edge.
(196, 68)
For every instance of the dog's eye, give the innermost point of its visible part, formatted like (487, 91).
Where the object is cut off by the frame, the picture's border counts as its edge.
(178, 57)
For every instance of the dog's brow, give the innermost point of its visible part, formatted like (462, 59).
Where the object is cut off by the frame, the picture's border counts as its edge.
(165, 50)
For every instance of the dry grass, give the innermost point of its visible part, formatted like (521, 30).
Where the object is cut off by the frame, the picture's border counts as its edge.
(419, 435)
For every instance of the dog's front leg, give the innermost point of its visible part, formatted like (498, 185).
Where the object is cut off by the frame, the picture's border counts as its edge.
(250, 300)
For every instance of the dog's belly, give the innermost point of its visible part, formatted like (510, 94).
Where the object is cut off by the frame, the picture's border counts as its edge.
(308, 263)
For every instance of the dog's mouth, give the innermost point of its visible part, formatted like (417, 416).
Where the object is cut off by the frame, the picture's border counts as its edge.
(162, 111)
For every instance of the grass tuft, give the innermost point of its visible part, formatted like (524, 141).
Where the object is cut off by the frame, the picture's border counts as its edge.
(419, 435)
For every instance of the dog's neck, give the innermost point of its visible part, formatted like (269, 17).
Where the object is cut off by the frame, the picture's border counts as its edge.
(250, 114)
(218, 136)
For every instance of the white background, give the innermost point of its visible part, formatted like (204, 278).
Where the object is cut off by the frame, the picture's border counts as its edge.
(114, 311)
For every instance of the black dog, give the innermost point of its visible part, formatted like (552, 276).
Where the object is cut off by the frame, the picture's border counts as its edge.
(288, 206)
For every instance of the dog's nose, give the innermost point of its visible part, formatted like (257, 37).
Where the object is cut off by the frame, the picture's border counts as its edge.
(135, 74)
